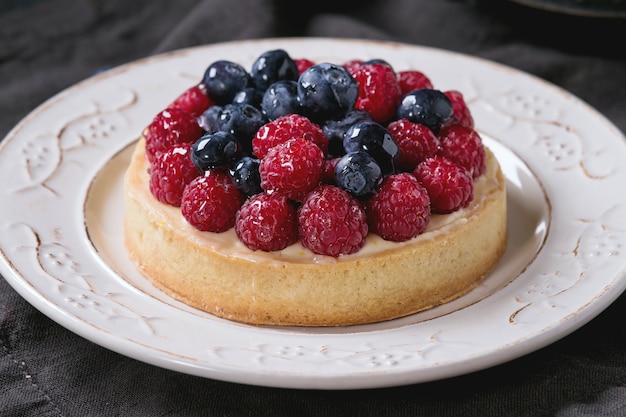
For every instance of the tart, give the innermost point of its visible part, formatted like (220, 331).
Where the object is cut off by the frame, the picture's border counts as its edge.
(380, 277)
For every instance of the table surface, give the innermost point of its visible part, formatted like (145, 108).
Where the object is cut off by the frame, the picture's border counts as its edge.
(47, 46)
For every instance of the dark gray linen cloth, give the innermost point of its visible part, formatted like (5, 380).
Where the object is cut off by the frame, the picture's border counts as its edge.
(48, 45)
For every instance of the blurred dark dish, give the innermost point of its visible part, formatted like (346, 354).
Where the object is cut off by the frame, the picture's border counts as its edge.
(591, 8)
(590, 27)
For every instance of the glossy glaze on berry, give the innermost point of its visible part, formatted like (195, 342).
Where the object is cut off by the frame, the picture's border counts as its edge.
(281, 99)
(272, 66)
(245, 175)
(249, 95)
(215, 149)
(224, 79)
(210, 202)
(426, 106)
(267, 222)
(327, 91)
(376, 140)
(335, 130)
(379, 90)
(358, 173)
(242, 120)
(332, 223)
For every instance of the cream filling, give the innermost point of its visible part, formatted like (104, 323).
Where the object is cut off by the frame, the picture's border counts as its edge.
(228, 244)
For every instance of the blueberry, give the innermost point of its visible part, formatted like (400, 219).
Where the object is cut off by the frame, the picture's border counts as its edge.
(358, 173)
(327, 91)
(243, 121)
(215, 149)
(374, 139)
(272, 66)
(281, 98)
(224, 79)
(245, 175)
(426, 106)
(209, 119)
(335, 130)
(249, 95)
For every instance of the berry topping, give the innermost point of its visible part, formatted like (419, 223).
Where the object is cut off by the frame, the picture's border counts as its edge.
(461, 113)
(285, 128)
(252, 96)
(335, 130)
(353, 65)
(415, 141)
(378, 61)
(401, 209)
(280, 99)
(267, 222)
(321, 152)
(224, 79)
(425, 106)
(464, 146)
(209, 120)
(170, 172)
(194, 101)
(327, 91)
(411, 80)
(331, 222)
(215, 149)
(374, 139)
(358, 173)
(243, 121)
(272, 66)
(449, 185)
(245, 175)
(328, 172)
(170, 127)
(210, 202)
(379, 90)
(292, 168)
(303, 64)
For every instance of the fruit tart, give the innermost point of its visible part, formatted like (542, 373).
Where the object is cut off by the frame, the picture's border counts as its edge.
(314, 194)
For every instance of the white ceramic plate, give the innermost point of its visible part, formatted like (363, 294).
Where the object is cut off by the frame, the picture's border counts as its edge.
(61, 219)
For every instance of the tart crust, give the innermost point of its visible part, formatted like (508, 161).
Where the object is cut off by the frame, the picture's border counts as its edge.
(385, 280)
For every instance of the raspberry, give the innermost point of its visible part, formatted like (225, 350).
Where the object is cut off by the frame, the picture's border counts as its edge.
(401, 209)
(194, 100)
(379, 91)
(284, 128)
(331, 222)
(170, 127)
(416, 142)
(463, 145)
(303, 64)
(352, 65)
(210, 202)
(171, 171)
(267, 222)
(328, 171)
(461, 113)
(449, 185)
(292, 168)
(413, 80)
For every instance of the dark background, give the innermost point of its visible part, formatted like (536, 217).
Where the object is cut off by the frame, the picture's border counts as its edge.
(48, 45)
